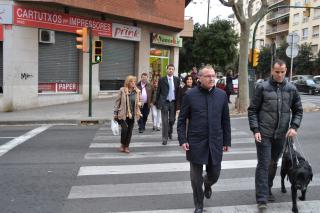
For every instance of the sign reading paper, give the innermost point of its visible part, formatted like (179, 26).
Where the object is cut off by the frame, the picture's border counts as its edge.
(126, 32)
(167, 40)
(59, 21)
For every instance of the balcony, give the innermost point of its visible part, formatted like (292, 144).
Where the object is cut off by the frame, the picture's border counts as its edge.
(283, 12)
(274, 2)
(277, 29)
(188, 27)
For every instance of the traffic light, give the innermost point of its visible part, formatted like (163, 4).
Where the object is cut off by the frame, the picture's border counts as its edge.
(256, 54)
(97, 51)
(82, 39)
(307, 11)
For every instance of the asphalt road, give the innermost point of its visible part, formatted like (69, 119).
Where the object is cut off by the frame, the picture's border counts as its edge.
(77, 169)
(315, 99)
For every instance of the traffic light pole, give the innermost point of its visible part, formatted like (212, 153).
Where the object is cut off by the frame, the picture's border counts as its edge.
(90, 72)
(258, 21)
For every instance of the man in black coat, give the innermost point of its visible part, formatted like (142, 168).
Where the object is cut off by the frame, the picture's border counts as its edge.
(167, 95)
(271, 122)
(203, 132)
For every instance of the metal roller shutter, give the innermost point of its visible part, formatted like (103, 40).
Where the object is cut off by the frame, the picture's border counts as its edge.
(1, 67)
(117, 63)
(59, 62)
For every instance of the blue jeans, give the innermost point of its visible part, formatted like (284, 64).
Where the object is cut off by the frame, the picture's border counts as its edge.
(269, 151)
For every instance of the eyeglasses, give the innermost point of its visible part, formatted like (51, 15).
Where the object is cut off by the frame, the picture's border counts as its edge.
(209, 76)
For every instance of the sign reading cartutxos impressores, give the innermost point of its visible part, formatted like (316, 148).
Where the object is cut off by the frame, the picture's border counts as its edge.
(39, 18)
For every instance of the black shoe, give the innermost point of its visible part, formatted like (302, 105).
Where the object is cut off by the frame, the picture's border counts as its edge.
(198, 210)
(158, 129)
(262, 205)
(207, 192)
(154, 128)
(170, 136)
(140, 131)
(164, 142)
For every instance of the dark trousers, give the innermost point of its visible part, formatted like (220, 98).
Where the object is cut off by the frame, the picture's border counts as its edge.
(213, 173)
(268, 154)
(126, 131)
(143, 120)
(168, 117)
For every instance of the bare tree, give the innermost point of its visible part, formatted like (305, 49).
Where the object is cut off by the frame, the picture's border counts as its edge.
(245, 23)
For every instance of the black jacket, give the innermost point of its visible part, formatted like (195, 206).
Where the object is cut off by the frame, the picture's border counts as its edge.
(208, 127)
(163, 90)
(270, 110)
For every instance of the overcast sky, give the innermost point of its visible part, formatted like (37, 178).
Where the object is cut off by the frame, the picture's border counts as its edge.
(199, 10)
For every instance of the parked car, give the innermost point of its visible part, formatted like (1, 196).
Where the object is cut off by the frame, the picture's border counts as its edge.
(317, 79)
(295, 78)
(308, 86)
(221, 83)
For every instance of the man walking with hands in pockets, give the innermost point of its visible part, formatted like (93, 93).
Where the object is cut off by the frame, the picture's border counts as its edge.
(203, 132)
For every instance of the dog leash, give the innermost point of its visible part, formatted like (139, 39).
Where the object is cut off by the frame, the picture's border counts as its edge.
(300, 148)
(289, 142)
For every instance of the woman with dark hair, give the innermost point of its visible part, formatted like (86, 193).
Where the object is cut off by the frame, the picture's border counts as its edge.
(189, 82)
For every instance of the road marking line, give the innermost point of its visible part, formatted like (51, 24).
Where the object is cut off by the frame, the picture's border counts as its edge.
(21, 139)
(156, 154)
(7, 137)
(166, 188)
(156, 168)
(312, 206)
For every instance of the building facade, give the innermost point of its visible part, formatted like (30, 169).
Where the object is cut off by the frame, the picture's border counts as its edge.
(39, 62)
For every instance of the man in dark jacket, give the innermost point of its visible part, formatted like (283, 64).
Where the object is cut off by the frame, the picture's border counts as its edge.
(203, 132)
(145, 89)
(269, 118)
(167, 95)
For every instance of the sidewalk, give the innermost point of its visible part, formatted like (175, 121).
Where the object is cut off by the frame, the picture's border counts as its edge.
(77, 113)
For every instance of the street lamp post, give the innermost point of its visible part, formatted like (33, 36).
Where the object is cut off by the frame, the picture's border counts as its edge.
(208, 13)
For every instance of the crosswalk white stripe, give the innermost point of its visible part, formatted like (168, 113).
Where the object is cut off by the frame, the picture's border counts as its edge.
(107, 136)
(157, 144)
(21, 139)
(156, 168)
(155, 154)
(166, 188)
(312, 206)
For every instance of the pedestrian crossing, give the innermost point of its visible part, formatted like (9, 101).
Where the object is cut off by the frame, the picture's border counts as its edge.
(154, 178)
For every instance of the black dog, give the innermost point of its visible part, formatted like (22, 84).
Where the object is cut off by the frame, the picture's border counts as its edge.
(299, 173)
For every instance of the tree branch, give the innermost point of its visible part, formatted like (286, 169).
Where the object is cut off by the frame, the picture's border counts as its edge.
(228, 3)
(238, 11)
(262, 11)
(250, 6)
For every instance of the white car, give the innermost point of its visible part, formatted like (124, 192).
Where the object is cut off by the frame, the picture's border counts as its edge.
(317, 79)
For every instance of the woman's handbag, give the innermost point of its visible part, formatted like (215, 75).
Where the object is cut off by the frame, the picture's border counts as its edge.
(114, 127)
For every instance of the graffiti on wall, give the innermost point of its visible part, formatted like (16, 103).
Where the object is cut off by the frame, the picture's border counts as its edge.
(25, 76)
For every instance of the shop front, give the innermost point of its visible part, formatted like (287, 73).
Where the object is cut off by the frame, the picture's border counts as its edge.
(161, 52)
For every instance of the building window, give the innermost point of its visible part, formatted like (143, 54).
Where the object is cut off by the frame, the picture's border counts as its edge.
(297, 3)
(315, 31)
(295, 32)
(262, 30)
(304, 33)
(316, 14)
(314, 49)
(296, 19)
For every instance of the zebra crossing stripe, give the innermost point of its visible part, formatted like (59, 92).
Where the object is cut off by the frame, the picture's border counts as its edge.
(156, 154)
(107, 136)
(156, 168)
(312, 206)
(157, 144)
(166, 188)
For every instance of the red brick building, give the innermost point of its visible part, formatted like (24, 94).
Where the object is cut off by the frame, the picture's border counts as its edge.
(39, 64)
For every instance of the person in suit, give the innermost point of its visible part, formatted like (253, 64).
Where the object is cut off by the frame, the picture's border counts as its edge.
(166, 98)
(204, 115)
(145, 89)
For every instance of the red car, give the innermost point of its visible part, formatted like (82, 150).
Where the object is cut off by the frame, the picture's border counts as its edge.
(221, 83)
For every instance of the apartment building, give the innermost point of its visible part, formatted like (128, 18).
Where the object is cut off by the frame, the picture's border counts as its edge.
(276, 25)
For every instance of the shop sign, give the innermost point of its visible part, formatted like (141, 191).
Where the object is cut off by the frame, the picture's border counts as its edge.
(58, 87)
(167, 40)
(39, 18)
(5, 14)
(126, 32)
